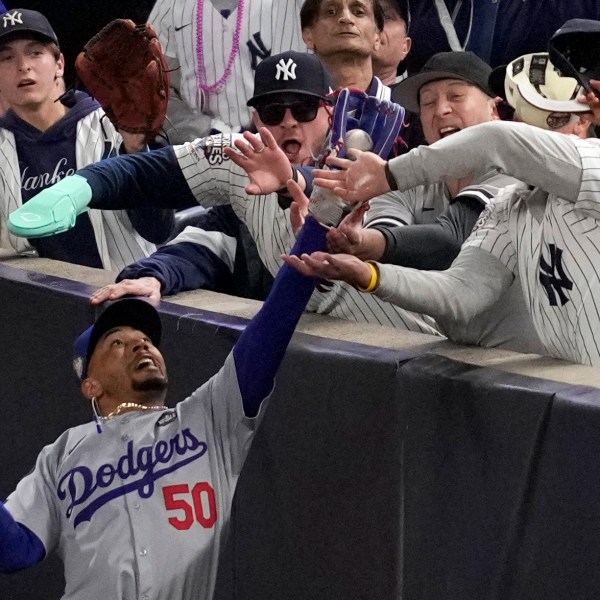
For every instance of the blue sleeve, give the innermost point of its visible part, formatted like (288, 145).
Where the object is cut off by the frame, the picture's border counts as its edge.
(307, 173)
(261, 348)
(153, 224)
(20, 548)
(180, 267)
(151, 178)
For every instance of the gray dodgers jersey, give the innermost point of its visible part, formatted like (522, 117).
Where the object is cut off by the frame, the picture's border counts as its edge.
(140, 510)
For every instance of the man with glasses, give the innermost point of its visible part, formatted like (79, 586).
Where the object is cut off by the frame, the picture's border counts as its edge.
(218, 253)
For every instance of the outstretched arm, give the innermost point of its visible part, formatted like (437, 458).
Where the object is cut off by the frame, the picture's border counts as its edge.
(474, 282)
(540, 158)
(261, 348)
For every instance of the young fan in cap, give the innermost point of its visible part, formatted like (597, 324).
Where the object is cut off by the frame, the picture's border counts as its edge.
(46, 135)
(145, 482)
(218, 252)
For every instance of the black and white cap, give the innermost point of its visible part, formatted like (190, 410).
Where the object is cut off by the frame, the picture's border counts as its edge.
(292, 73)
(23, 20)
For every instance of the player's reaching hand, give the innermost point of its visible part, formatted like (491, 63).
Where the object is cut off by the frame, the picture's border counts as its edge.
(593, 100)
(344, 267)
(263, 160)
(148, 287)
(355, 180)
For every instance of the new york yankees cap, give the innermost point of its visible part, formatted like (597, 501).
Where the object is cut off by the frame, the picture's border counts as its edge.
(465, 66)
(129, 312)
(23, 20)
(574, 51)
(292, 73)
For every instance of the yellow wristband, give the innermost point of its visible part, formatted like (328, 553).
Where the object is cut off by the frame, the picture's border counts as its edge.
(374, 282)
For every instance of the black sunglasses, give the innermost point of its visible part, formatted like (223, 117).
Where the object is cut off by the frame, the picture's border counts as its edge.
(303, 112)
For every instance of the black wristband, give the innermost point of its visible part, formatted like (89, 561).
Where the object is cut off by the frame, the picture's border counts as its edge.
(390, 178)
(283, 191)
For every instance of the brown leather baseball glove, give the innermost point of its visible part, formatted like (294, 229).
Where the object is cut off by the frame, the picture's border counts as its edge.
(124, 68)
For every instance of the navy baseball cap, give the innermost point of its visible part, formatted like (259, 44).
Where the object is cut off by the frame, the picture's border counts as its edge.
(465, 66)
(573, 50)
(292, 73)
(23, 20)
(130, 312)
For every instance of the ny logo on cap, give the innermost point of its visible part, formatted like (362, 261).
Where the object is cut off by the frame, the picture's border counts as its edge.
(286, 70)
(14, 18)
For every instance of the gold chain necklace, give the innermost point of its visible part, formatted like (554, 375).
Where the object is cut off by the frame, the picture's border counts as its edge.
(125, 405)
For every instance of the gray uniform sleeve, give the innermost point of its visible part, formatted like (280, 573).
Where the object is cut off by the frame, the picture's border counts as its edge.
(540, 158)
(474, 282)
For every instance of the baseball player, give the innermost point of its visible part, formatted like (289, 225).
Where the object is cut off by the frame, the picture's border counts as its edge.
(137, 502)
(213, 48)
(44, 139)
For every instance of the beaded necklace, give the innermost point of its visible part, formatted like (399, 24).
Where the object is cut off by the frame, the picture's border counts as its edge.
(216, 87)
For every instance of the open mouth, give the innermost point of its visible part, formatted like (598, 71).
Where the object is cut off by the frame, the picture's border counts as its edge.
(26, 83)
(291, 147)
(446, 131)
(145, 363)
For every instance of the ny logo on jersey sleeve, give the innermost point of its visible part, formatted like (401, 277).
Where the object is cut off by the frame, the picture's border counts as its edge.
(554, 278)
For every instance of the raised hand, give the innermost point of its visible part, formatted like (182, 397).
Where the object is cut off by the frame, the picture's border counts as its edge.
(263, 160)
(354, 180)
(344, 267)
(148, 287)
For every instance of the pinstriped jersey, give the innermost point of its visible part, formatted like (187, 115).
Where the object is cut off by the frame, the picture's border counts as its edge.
(268, 27)
(214, 178)
(553, 244)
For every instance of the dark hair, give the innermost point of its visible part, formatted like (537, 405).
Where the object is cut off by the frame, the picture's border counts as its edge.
(309, 13)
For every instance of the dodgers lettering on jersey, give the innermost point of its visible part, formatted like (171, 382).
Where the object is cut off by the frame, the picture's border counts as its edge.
(80, 484)
(149, 486)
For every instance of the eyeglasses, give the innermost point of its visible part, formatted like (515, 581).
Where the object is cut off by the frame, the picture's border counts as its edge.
(303, 112)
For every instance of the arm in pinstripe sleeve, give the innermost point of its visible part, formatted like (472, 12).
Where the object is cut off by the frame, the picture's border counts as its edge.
(540, 158)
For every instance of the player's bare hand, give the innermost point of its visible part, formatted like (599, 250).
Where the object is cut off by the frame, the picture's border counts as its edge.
(299, 206)
(355, 180)
(592, 100)
(343, 267)
(263, 160)
(148, 287)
